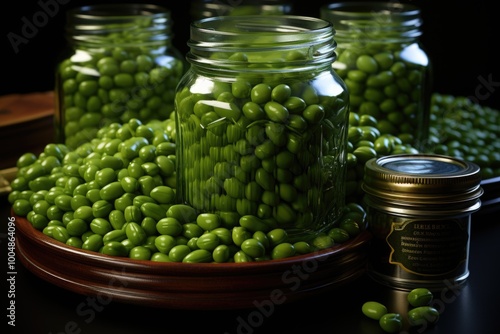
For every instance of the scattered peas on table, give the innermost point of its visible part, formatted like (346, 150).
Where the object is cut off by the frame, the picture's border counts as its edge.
(421, 312)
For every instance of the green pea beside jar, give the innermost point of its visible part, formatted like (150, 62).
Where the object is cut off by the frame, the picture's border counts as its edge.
(120, 64)
(262, 124)
(384, 66)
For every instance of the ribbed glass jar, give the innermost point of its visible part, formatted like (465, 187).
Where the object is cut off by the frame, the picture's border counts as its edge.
(120, 64)
(262, 124)
(384, 66)
(201, 9)
(419, 210)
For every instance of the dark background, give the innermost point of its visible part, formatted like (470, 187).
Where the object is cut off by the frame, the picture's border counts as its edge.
(459, 37)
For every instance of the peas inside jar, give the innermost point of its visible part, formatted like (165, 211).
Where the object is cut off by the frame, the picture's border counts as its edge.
(384, 66)
(120, 65)
(262, 124)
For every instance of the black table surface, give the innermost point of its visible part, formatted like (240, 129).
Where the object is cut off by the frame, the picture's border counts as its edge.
(41, 307)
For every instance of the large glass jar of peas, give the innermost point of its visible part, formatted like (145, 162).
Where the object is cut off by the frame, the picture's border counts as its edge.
(262, 124)
(120, 64)
(384, 66)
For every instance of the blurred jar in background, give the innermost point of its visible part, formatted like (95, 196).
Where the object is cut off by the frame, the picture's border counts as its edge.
(120, 64)
(209, 8)
(384, 66)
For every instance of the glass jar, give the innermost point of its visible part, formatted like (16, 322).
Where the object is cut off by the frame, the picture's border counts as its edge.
(262, 124)
(387, 72)
(207, 8)
(120, 65)
(419, 211)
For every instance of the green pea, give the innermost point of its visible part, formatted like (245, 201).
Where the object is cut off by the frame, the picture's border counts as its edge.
(38, 221)
(283, 250)
(191, 230)
(60, 234)
(169, 226)
(164, 243)
(295, 104)
(338, 235)
(74, 242)
(114, 235)
(302, 247)
(281, 93)
(323, 241)
(93, 242)
(277, 236)
(153, 210)
(240, 234)
(149, 226)
(100, 226)
(420, 297)
(224, 235)
(135, 233)
(111, 191)
(208, 221)
(163, 194)
(208, 241)
(276, 112)
(198, 256)
(391, 322)
(367, 64)
(241, 256)
(114, 248)
(261, 93)
(374, 310)
(21, 207)
(253, 248)
(178, 253)
(253, 111)
(77, 226)
(221, 254)
(182, 212)
(423, 315)
(160, 257)
(351, 226)
(117, 219)
(140, 253)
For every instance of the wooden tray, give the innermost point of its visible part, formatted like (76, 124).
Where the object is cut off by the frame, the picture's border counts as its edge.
(185, 285)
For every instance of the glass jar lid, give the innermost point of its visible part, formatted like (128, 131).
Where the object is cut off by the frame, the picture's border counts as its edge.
(422, 178)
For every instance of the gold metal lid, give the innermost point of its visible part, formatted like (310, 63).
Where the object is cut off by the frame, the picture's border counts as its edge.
(422, 179)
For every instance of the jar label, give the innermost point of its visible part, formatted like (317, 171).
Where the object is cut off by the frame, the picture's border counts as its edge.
(428, 247)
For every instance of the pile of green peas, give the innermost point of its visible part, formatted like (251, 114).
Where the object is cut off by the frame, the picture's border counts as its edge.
(420, 314)
(116, 195)
(121, 79)
(467, 130)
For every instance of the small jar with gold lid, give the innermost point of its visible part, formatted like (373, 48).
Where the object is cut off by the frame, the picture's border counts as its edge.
(419, 210)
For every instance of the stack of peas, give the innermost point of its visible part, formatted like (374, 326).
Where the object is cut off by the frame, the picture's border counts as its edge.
(116, 195)
(118, 69)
